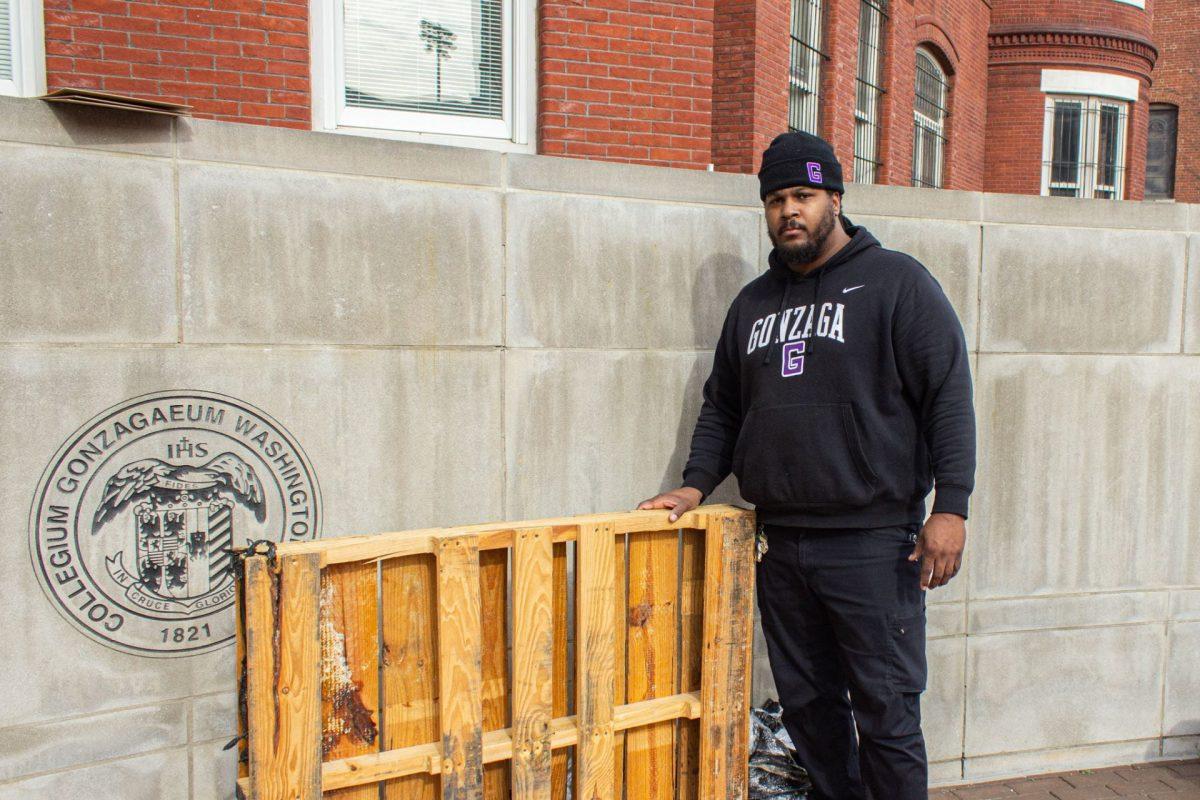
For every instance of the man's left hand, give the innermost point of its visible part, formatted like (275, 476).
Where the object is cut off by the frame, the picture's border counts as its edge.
(940, 546)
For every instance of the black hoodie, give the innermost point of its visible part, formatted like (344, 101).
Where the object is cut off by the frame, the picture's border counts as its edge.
(837, 397)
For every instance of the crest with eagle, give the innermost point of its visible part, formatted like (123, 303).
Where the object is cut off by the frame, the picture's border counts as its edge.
(151, 476)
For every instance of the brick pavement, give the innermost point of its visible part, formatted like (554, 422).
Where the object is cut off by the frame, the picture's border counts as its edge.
(1162, 780)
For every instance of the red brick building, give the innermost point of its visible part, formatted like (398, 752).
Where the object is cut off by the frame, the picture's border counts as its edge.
(1059, 97)
(1173, 163)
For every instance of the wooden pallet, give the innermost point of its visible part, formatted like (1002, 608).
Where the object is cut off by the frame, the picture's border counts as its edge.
(462, 663)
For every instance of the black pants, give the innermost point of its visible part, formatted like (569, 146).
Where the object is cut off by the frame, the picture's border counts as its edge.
(844, 618)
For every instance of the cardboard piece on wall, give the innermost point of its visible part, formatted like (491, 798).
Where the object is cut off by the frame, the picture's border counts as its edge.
(91, 97)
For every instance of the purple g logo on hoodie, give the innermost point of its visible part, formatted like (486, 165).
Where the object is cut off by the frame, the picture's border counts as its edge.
(814, 171)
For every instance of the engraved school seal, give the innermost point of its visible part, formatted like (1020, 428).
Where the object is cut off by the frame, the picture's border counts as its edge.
(134, 519)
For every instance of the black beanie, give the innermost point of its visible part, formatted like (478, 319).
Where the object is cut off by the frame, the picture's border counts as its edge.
(799, 159)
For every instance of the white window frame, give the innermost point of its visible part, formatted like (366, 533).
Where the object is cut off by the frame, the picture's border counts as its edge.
(1092, 90)
(512, 133)
(28, 50)
(1089, 146)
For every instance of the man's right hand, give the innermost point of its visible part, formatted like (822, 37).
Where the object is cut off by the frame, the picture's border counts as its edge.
(680, 501)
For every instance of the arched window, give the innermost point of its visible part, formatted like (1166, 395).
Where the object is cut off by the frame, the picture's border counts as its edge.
(929, 121)
(804, 77)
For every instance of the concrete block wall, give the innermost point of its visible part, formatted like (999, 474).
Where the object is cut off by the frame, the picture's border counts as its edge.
(458, 336)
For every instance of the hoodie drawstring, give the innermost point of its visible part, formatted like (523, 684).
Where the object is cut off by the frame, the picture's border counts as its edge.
(787, 285)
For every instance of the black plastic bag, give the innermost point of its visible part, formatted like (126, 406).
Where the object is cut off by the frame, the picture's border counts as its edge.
(774, 773)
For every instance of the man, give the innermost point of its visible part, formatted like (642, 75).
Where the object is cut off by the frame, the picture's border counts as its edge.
(840, 390)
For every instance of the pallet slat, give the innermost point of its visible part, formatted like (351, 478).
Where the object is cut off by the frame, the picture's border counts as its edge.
(594, 670)
(284, 698)
(461, 662)
(410, 667)
(728, 627)
(497, 745)
(560, 694)
(493, 577)
(691, 635)
(653, 637)
(621, 622)
(350, 665)
(533, 663)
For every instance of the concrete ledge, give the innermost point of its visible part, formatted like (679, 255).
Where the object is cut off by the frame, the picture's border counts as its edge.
(1105, 686)
(945, 773)
(944, 619)
(1081, 290)
(1037, 613)
(1181, 747)
(1191, 309)
(1181, 712)
(942, 702)
(1008, 765)
(909, 201)
(1185, 604)
(1028, 209)
(579, 176)
(156, 776)
(24, 119)
(87, 246)
(1095, 514)
(261, 145)
(62, 745)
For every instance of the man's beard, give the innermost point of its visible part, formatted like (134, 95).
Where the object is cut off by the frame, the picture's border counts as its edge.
(800, 253)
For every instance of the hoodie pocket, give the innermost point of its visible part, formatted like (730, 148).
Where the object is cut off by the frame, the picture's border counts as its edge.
(803, 454)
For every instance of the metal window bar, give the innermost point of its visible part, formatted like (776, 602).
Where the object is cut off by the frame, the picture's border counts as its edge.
(804, 75)
(929, 118)
(1087, 148)
(872, 14)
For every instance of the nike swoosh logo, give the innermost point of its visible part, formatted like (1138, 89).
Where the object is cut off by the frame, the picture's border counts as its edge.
(852, 288)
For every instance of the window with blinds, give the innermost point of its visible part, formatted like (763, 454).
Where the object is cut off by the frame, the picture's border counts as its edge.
(427, 66)
(929, 121)
(804, 77)
(6, 41)
(869, 94)
(1084, 147)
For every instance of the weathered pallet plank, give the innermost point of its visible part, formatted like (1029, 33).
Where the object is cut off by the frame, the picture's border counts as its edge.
(533, 663)
(560, 695)
(497, 745)
(460, 667)
(410, 673)
(653, 638)
(620, 617)
(691, 616)
(728, 627)
(285, 700)
(395, 544)
(350, 666)
(493, 577)
(594, 670)
(240, 676)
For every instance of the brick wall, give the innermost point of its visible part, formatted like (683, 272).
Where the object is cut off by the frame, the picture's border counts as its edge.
(236, 60)
(1027, 36)
(627, 80)
(1108, 14)
(751, 54)
(1177, 81)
